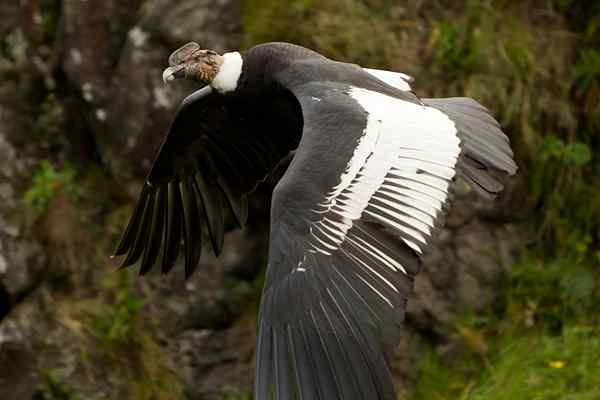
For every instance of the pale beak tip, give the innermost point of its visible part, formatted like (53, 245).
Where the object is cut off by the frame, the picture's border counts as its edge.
(168, 75)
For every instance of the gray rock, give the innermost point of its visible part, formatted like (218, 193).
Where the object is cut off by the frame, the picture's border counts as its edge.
(213, 24)
(21, 264)
(18, 378)
(216, 295)
(461, 272)
(9, 17)
(94, 34)
(22, 259)
(218, 362)
(114, 56)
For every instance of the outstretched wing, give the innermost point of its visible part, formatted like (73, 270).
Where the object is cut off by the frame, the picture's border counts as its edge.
(355, 209)
(215, 153)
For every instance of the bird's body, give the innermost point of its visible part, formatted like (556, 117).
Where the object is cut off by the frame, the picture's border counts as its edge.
(370, 177)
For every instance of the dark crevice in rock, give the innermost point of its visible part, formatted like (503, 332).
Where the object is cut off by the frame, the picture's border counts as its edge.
(127, 19)
(9, 301)
(428, 334)
(80, 136)
(5, 302)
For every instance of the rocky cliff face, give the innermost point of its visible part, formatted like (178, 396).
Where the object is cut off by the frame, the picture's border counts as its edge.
(80, 87)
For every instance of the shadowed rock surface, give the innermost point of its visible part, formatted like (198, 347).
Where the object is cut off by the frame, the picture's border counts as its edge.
(80, 85)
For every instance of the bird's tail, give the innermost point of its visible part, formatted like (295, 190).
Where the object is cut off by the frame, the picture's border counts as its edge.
(486, 149)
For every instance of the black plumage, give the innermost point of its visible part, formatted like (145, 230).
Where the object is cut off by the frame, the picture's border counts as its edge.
(360, 193)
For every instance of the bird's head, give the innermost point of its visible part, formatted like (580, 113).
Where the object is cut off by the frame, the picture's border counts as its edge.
(193, 63)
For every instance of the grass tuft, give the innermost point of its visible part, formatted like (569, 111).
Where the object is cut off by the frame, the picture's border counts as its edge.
(537, 365)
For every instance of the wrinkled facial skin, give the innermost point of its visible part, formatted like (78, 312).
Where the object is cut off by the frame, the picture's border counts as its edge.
(191, 62)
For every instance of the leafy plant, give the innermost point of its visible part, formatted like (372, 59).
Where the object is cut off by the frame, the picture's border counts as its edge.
(560, 292)
(48, 183)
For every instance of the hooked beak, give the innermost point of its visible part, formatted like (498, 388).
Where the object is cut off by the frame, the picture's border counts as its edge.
(174, 72)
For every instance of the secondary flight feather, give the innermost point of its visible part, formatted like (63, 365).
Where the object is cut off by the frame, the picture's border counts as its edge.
(369, 169)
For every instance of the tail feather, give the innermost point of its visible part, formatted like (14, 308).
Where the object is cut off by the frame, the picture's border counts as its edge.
(486, 149)
(480, 178)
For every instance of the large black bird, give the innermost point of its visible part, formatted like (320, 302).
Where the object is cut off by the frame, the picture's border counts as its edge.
(369, 170)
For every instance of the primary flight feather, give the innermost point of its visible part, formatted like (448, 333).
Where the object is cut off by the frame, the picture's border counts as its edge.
(369, 170)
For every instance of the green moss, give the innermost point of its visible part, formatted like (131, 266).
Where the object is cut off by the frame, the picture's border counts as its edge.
(347, 30)
(116, 322)
(235, 393)
(13, 54)
(116, 342)
(271, 20)
(51, 117)
(54, 387)
(50, 14)
(157, 379)
(48, 183)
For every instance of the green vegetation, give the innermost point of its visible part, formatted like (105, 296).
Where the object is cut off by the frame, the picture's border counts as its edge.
(54, 387)
(116, 322)
(520, 366)
(107, 334)
(505, 63)
(235, 393)
(49, 183)
(99, 307)
(123, 337)
(13, 49)
(532, 76)
(536, 65)
(540, 341)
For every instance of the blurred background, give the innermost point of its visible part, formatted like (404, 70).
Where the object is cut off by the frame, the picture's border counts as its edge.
(508, 305)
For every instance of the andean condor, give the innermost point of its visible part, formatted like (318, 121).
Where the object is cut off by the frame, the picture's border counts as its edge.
(370, 171)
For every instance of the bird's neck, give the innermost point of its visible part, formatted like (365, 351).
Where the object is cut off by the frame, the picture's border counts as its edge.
(227, 79)
(262, 66)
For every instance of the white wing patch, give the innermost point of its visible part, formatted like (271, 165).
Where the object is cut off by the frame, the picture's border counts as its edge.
(399, 175)
(395, 79)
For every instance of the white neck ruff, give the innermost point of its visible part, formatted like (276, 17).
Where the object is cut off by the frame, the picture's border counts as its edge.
(229, 73)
